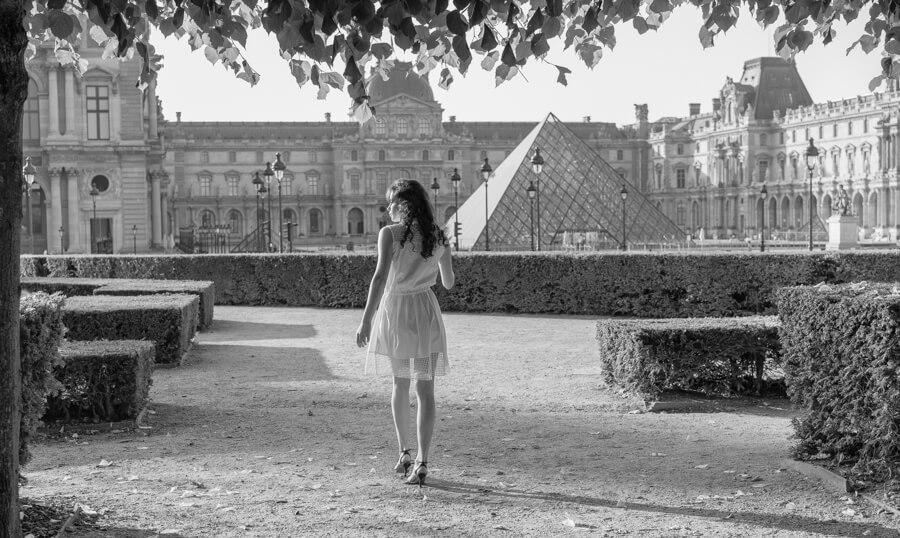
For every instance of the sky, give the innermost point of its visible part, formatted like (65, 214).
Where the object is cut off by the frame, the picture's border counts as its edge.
(666, 69)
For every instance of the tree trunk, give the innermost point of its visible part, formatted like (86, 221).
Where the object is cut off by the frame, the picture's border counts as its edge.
(13, 92)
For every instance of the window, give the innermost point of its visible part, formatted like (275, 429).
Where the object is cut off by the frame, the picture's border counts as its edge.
(781, 138)
(382, 155)
(380, 127)
(680, 177)
(354, 155)
(100, 182)
(207, 219)
(232, 156)
(835, 164)
(424, 127)
(233, 184)
(865, 156)
(620, 155)
(679, 149)
(31, 121)
(287, 183)
(781, 168)
(451, 155)
(794, 166)
(313, 181)
(402, 128)
(763, 170)
(425, 155)
(851, 157)
(849, 128)
(236, 222)
(658, 176)
(794, 135)
(205, 184)
(315, 221)
(381, 183)
(355, 222)
(679, 214)
(763, 139)
(806, 133)
(259, 157)
(313, 157)
(834, 130)
(821, 131)
(483, 155)
(354, 183)
(98, 112)
(865, 125)
(204, 156)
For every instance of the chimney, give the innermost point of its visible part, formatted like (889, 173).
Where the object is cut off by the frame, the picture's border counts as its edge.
(328, 117)
(695, 108)
(717, 104)
(587, 119)
(452, 119)
(178, 117)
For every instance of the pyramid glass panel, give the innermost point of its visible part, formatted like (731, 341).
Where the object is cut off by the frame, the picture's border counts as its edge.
(579, 196)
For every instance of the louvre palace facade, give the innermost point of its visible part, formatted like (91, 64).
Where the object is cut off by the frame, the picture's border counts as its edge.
(114, 174)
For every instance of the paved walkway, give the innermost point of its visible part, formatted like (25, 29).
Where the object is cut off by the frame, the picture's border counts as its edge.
(272, 429)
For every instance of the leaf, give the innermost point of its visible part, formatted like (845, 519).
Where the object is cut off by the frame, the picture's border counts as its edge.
(381, 50)
(152, 9)
(61, 24)
(490, 60)
(508, 57)
(563, 71)
(446, 79)
(56, 4)
(461, 4)
(461, 48)
(590, 20)
(706, 37)
(640, 24)
(488, 41)
(876, 82)
(211, 55)
(539, 45)
(456, 23)
(535, 23)
(661, 6)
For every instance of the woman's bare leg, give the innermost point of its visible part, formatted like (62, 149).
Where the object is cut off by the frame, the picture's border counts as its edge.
(400, 409)
(425, 417)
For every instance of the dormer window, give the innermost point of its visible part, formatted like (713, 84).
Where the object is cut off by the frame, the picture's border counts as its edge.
(97, 112)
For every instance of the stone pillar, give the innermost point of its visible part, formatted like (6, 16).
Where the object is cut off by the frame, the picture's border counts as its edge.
(53, 101)
(55, 219)
(74, 227)
(156, 208)
(70, 103)
(151, 102)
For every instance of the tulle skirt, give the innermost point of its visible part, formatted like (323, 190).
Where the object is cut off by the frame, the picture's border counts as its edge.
(408, 337)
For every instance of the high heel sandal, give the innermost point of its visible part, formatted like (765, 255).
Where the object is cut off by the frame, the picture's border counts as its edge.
(419, 473)
(404, 463)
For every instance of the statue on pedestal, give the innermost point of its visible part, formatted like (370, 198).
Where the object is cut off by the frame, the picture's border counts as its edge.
(841, 204)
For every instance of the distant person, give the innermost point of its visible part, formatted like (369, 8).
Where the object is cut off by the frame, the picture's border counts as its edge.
(407, 332)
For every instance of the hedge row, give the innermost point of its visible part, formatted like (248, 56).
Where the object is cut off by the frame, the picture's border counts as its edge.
(842, 367)
(717, 356)
(169, 321)
(40, 333)
(103, 381)
(654, 285)
(71, 287)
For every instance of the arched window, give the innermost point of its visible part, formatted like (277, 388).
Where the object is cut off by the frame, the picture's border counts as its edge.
(236, 220)
(31, 121)
(207, 219)
(315, 222)
(380, 127)
(424, 127)
(355, 221)
(679, 214)
(402, 127)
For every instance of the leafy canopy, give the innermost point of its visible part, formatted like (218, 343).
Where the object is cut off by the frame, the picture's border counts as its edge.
(333, 43)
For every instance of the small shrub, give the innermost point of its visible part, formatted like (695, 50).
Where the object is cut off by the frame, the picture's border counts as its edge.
(40, 332)
(717, 356)
(842, 367)
(169, 321)
(102, 381)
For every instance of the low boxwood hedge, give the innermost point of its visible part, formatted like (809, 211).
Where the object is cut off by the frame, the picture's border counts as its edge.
(650, 285)
(70, 287)
(40, 333)
(842, 367)
(718, 356)
(102, 381)
(169, 321)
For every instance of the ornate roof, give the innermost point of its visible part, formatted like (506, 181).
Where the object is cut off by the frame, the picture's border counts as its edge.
(777, 86)
(401, 80)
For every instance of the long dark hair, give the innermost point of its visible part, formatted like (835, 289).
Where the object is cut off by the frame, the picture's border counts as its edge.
(415, 211)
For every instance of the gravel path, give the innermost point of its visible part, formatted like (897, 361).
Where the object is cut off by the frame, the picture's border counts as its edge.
(271, 428)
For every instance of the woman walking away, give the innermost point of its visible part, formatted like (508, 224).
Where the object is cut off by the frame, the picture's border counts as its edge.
(406, 338)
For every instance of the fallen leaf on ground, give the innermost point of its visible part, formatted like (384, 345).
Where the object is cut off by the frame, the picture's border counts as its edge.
(704, 466)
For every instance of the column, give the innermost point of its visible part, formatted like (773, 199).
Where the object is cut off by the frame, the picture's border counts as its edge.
(70, 103)
(53, 101)
(151, 102)
(55, 221)
(156, 209)
(74, 232)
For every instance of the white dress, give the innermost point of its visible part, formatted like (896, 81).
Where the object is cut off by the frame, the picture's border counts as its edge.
(408, 337)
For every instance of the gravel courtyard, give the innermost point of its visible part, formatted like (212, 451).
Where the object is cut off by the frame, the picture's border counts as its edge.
(271, 428)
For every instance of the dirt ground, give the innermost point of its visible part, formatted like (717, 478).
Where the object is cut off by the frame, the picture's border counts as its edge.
(271, 428)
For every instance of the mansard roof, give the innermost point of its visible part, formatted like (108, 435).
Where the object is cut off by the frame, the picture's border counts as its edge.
(401, 80)
(775, 85)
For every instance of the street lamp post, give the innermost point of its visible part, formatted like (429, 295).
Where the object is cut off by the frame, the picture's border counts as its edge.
(134, 238)
(764, 193)
(624, 194)
(537, 165)
(279, 168)
(268, 174)
(258, 183)
(486, 174)
(812, 154)
(62, 247)
(532, 191)
(94, 194)
(435, 189)
(455, 179)
(28, 172)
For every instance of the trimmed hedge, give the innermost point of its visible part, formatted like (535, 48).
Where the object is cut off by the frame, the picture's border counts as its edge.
(204, 289)
(654, 285)
(103, 381)
(169, 321)
(718, 356)
(40, 332)
(842, 360)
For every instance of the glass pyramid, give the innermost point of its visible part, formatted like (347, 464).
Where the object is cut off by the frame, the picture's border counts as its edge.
(580, 201)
